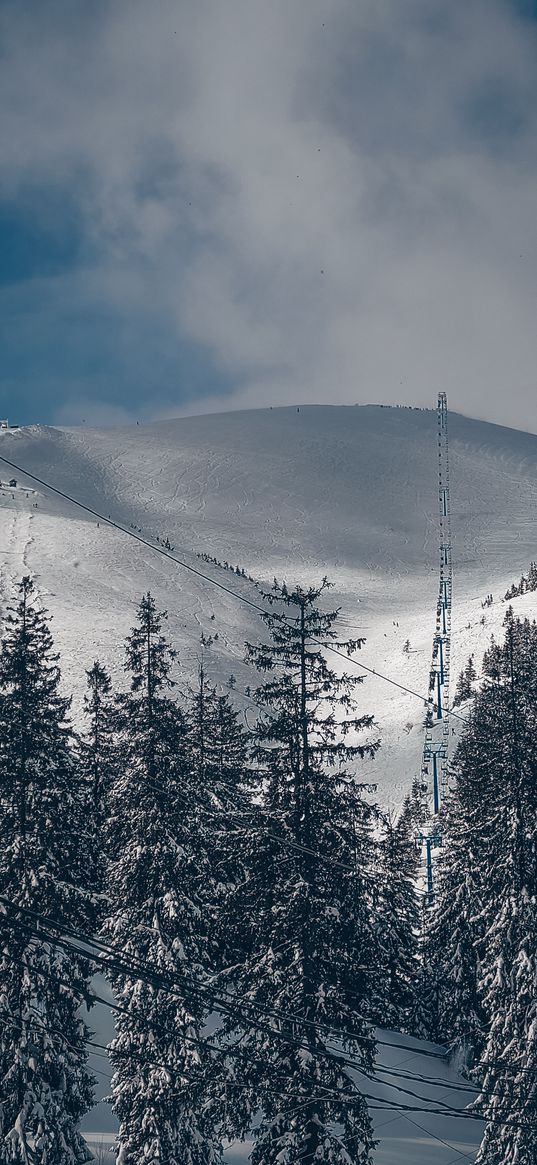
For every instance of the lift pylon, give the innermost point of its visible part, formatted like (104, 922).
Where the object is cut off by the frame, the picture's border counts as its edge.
(436, 741)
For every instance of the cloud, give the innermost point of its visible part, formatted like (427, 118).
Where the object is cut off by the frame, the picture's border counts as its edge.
(289, 201)
(80, 411)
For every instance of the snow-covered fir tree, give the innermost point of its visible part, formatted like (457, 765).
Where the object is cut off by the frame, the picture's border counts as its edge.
(424, 1019)
(398, 921)
(98, 743)
(509, 1091)
(218, 743)
(532, 577)
(453, 928)
(44, 846)
(415, 807)
(509, 970)
(159, 880)
(308, 901)
(465, 686)
(219, 755)
(99, 760)
(488, 892)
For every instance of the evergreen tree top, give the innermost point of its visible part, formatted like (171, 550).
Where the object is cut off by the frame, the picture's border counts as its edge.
(29, 671)
(287, 630)
(305, 685)
(99, 682)
(148, 657)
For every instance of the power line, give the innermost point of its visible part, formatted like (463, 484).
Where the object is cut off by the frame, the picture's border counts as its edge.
(439, 1139)
(141, 1021)
(220, 999)
(105, 1051)
(125, 965)
(325, 1052)
(267, 615)
(328, 1094)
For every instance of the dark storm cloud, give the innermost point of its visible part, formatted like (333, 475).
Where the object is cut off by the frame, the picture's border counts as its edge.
(284, 201)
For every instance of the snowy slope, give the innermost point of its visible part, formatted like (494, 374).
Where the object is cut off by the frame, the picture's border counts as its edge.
(350, 492)
(346, 491)
(409, 1072)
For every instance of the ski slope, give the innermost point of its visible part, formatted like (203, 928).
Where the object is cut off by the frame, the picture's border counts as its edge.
(350, 492)
(347, 492)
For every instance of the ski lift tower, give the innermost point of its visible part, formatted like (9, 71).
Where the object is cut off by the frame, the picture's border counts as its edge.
(436, 742)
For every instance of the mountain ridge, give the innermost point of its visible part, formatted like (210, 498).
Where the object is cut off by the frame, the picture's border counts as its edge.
(347, 491)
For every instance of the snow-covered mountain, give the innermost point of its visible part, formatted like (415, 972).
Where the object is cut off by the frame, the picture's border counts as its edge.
(347, 492)
(350, 492)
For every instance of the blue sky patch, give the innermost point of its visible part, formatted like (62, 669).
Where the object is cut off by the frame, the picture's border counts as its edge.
(40, 235)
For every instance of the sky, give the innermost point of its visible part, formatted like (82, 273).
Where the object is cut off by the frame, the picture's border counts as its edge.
(211, 205)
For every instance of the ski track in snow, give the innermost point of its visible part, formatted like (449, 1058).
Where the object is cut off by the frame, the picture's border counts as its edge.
(15, 539)
(350, 492)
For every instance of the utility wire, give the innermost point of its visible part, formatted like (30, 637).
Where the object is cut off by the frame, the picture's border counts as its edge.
(327, 1053)
(220, 999)
(328, 1094)
(440, 1140)
(124, 965)
(267, 615)
(105, 1052)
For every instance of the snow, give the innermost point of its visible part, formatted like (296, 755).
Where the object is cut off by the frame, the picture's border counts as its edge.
(346, 491)
(350, 492)
(416, 1137)
(420, 1136)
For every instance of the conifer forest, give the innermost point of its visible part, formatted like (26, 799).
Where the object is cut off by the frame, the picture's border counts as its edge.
(256, 915)
(268, 602)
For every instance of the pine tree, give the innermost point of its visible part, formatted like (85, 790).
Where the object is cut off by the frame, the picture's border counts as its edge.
(313, 951)
(218, 749)
(98, 744)
(465, 684)
(44, 848)
(453, 929)
(99, 761)
(510, 941)
(415, 808)
(159, 879)
(218, 744)
(425, 1013)
(490, 890)
(398, 922)
(532, 577)
(509, 1094)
